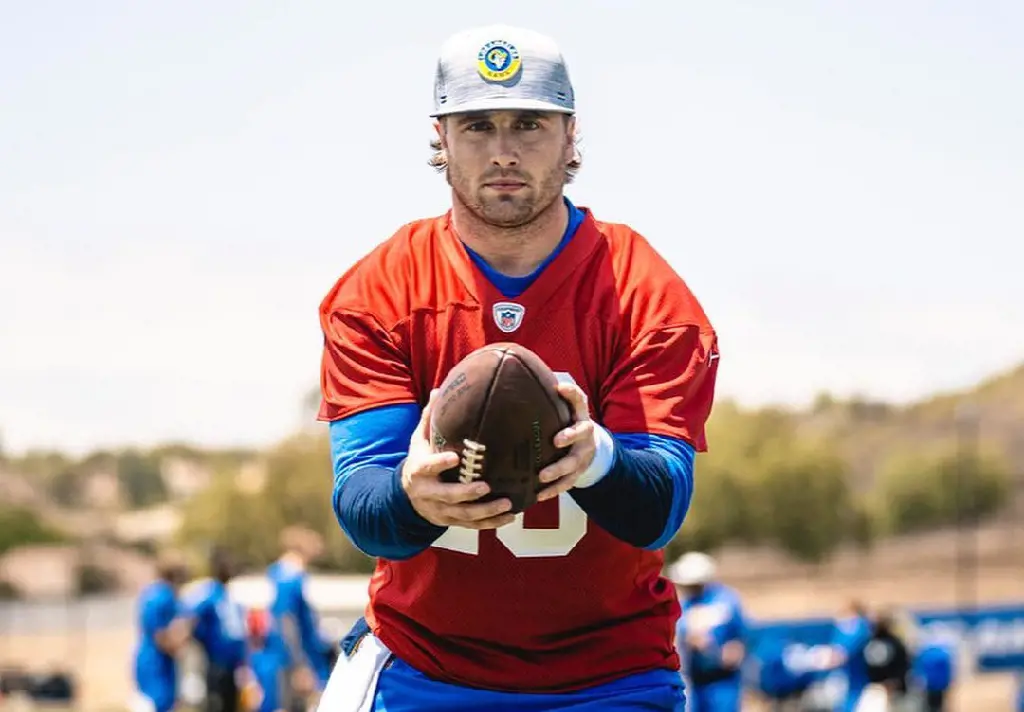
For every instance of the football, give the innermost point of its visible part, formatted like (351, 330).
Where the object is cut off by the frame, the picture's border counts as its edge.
(500, 411)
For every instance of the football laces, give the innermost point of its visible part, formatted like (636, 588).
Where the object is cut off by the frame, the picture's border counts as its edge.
(472, 461)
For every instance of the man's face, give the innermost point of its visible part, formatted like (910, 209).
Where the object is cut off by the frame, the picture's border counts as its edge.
(507, 166)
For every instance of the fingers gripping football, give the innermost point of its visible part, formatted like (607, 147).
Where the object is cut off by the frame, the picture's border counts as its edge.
(579, 437)
(442, 503)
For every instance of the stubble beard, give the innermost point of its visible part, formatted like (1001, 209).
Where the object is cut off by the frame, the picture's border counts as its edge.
(512, 211)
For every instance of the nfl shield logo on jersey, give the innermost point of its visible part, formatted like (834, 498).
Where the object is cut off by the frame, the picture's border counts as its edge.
(508, 316)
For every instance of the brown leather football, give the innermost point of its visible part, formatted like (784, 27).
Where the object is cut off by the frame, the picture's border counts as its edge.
(500, 411)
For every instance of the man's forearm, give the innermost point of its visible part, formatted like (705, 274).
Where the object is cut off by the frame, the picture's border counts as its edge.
(373, 509)
(643, 497)
(377, 515)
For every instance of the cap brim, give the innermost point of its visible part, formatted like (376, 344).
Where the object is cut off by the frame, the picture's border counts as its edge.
(501, 104)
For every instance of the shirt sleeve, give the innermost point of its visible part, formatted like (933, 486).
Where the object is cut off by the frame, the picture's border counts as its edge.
(362, 366)
(158, 613)
(664, 385)
(736, 627)
(198, 602)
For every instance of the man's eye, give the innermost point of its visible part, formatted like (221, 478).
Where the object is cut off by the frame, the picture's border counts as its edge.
(528, 125)
(478, 126)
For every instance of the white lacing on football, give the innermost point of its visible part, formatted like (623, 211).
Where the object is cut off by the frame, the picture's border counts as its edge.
(472, 461)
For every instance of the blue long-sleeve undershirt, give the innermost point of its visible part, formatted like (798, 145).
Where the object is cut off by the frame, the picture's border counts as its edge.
(642, 500)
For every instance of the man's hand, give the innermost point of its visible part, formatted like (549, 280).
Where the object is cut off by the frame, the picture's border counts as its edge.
(303, 681)
(561, 476)
(733, 654)
(442, 503)
(698, 640)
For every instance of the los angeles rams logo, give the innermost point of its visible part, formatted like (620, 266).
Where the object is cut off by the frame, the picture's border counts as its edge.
(499, 61)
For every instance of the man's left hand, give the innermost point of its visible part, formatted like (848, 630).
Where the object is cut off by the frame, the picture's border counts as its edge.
(579, 437)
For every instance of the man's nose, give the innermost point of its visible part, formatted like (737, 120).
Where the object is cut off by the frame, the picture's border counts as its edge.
(506, 154)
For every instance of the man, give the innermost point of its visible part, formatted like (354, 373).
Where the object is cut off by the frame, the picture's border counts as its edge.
(218, 625)
(162, 637)
(298, 643)
(563, 606)
(934, 671)
(710, 635)
(264, 658)
(845, 653)
(888, 659)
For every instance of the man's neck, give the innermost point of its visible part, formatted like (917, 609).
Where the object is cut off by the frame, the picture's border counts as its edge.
(515, 252)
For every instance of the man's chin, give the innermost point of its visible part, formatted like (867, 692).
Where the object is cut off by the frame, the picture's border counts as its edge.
(507, 213)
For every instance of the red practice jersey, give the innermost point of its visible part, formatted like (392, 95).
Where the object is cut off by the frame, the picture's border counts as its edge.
(550, 602)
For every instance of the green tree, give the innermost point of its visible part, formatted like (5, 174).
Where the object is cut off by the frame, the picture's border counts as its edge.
(762, 481)
(141, 479)
(65, 486)
(921, 491)
(804, 499)
(223, 515)
(21, 527)
(727, 479)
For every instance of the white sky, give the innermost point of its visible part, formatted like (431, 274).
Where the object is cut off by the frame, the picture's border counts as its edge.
(842, 185)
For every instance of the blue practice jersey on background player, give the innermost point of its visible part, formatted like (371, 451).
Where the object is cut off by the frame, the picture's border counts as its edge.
(291, 610)
(852, 635)
(716, 612)
(268, 669)
(155, 670)
(219, 624)
(934, 666)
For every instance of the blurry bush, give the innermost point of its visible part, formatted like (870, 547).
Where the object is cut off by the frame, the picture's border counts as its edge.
(21, 527)
(762, 483)
(924, 490)
(297, 490)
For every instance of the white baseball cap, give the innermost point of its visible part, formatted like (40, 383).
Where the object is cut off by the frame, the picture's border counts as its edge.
(692, 569)
(500, 67)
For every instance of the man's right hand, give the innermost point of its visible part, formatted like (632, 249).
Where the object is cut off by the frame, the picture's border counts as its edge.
(442, 503)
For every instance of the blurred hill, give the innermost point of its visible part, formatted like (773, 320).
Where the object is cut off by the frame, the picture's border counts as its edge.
(871, 431)
(805, 484)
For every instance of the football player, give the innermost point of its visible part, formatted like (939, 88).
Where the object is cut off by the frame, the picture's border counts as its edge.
(217, 623)
(845, 653)
(299, 643)
(162, 636)
(711, 635)
(563, 606)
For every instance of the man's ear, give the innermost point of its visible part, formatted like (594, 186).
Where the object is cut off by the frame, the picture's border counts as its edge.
(570, 133)
(441, 135)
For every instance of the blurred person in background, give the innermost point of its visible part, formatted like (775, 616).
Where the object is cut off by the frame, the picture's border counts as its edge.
(218, 626)
(710, 635)
(162, 636)
(888, 659)
(781, 688)
(845, 653)
(934, 672)
(264, 659)
(302, 648)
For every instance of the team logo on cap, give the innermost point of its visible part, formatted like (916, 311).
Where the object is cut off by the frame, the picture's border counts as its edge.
(498, 61)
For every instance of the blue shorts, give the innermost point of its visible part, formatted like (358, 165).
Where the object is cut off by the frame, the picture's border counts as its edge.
(401, 688)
